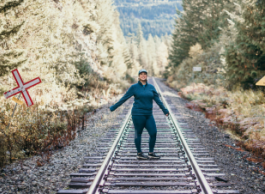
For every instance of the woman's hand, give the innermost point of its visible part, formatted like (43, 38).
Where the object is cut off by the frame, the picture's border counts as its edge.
(167, 115)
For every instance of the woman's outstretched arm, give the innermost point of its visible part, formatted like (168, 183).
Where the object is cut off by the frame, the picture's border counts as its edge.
(126, 96)
(159, 103)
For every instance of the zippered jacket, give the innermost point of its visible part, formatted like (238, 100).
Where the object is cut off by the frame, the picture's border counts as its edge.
(143, 99)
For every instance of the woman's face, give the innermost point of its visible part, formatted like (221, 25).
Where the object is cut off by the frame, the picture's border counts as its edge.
(143, 76)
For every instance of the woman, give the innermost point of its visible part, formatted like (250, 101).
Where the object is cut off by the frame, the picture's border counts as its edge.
(142, 114)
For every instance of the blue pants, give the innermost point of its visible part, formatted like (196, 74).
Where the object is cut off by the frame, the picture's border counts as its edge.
(144, 121)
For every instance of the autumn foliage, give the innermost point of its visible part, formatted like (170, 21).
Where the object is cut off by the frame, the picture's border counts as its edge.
(240, 113)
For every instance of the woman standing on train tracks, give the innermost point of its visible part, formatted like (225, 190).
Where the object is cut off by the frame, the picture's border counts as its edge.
(142, 112)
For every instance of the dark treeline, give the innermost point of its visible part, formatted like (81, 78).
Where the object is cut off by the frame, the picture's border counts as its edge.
(150, 12)
(155, 28)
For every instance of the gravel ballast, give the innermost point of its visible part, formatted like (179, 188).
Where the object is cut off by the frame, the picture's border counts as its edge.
(27, 177)
(55, 175)
(239, 171)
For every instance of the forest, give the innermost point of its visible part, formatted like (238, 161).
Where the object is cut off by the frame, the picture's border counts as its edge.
(156, 19)
(226, 39)
(78, 50)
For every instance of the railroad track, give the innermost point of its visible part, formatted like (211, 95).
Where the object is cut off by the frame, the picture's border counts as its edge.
(184, 168)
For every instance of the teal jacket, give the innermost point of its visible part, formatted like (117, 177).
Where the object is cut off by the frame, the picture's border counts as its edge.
(143, 99)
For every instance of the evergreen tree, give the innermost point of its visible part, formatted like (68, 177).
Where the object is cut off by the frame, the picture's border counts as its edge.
(161, 58)
(245, 56)
(105, 18)
(10, 31)
(178, 50)
(198, 23)
(113, 51)
(166, 39)
(139, 37)
(134, 54)
(141, 44)
(212, 17)
(151, 55)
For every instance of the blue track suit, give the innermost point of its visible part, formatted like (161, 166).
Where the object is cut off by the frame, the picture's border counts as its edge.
(142, 111)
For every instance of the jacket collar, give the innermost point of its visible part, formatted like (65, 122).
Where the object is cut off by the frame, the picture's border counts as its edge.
(141, 83)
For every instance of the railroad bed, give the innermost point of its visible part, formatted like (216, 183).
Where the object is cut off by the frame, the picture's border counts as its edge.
(184, 167)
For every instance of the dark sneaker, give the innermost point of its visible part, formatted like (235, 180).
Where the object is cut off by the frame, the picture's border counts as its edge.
(152, 155)
(141, 156)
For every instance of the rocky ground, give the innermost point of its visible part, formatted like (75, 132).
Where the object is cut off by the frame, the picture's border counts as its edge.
(27, 177)
(239, 171)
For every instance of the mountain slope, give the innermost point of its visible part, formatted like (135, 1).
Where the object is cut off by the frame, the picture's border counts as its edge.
(156, 18)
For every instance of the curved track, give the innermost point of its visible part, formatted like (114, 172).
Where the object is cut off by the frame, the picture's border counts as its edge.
(185, 166)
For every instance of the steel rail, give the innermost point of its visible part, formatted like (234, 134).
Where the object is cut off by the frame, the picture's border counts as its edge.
(202, 181)
(94, 186)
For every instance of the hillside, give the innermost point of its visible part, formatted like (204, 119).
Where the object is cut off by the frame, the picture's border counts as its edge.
(78, 50)
(72, 46)
(156, 18)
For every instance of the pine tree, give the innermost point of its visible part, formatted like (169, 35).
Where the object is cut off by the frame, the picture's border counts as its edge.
(198, 23)
(212, 17)
(183, 38)
(139, 36)
(105, 19)
(10, 31)
(154, 54)
(113, 51)
(245, 56)
(141, 44)
(134, 55)
(151, 56)
(161, 58)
